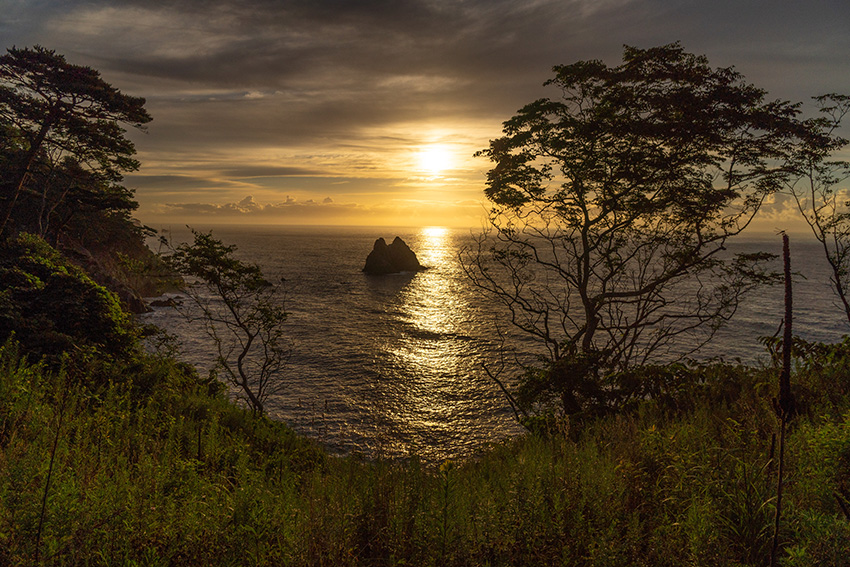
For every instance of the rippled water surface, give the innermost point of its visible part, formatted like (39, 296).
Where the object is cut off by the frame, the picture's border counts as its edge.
(390, 365)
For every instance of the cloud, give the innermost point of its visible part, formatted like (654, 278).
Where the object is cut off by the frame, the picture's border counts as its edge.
(399, 212)
(288, 73)
(248, 171)
(288, 211)
(172, 183)
(305, 48)
(248, 204)
(353, 48)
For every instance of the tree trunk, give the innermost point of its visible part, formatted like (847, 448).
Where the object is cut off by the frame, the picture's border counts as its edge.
(35, 147)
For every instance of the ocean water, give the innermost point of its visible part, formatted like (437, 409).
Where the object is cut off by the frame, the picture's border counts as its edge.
(388, 366)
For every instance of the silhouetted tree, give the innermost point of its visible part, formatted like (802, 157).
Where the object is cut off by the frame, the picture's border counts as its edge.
(612, 206)
(241, 311)
(58, 120)
(815, 185)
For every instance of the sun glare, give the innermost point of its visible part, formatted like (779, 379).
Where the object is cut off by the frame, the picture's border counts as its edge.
(435, 232)
(434, 159)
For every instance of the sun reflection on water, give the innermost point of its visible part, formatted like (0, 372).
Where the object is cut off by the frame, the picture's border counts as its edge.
(432, 302)
(434, 246)
(383, 366)
(434, 346)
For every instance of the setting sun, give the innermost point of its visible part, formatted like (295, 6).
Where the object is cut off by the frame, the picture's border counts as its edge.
(434, 159)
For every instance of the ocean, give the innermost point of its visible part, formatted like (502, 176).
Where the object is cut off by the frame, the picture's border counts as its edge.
(392, 366)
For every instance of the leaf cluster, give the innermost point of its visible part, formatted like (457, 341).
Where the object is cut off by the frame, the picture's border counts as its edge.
(40, 90)
(649, 137)
(63, 150)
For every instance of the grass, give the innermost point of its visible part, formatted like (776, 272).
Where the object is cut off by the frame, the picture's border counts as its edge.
(156, 467)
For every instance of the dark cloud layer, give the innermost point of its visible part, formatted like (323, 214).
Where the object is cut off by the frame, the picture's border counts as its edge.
(252, 172)
(344, 45)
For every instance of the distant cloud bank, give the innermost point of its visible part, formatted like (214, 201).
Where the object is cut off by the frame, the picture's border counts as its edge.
(326, 211)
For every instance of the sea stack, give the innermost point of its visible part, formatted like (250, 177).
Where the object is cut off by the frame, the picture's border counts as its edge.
(391, 259)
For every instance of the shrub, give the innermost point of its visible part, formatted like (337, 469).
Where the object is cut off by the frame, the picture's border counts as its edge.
(52, 306)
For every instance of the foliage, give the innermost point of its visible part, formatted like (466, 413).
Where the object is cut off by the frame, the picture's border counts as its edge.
(823, 379)
(134, 468)
(63, 145)
(815, 186)
(241, 311)
(62, 156)
(612, 207)
(52, 306)
(114, 250)
(174, 474)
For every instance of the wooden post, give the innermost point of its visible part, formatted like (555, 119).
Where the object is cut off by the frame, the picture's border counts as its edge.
(784, 406)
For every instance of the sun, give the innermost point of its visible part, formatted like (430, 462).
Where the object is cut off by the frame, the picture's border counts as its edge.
(434, 159)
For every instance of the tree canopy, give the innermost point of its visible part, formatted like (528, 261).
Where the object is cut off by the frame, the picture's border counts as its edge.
(62, 139)
(63, 153)
(613, 204)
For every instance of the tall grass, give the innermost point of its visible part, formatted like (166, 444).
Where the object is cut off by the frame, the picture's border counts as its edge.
(174, 474)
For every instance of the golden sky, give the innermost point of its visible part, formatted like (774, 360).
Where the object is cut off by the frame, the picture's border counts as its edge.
(367, 112)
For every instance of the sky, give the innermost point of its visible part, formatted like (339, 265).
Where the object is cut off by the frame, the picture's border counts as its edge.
(368, 112)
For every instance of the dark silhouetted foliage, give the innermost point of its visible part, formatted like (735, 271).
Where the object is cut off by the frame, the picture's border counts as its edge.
(612, 207)
(815, 184)
(63, 143)
(241, 311)
(63, 153)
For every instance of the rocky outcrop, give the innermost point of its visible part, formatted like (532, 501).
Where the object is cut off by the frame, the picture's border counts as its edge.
(150, 279)
(130, 298)
(166, 302)
(392, 258)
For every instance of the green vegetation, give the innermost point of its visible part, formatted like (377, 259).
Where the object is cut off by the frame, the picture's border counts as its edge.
(54, 307)
(112, 455)
(156, 467)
